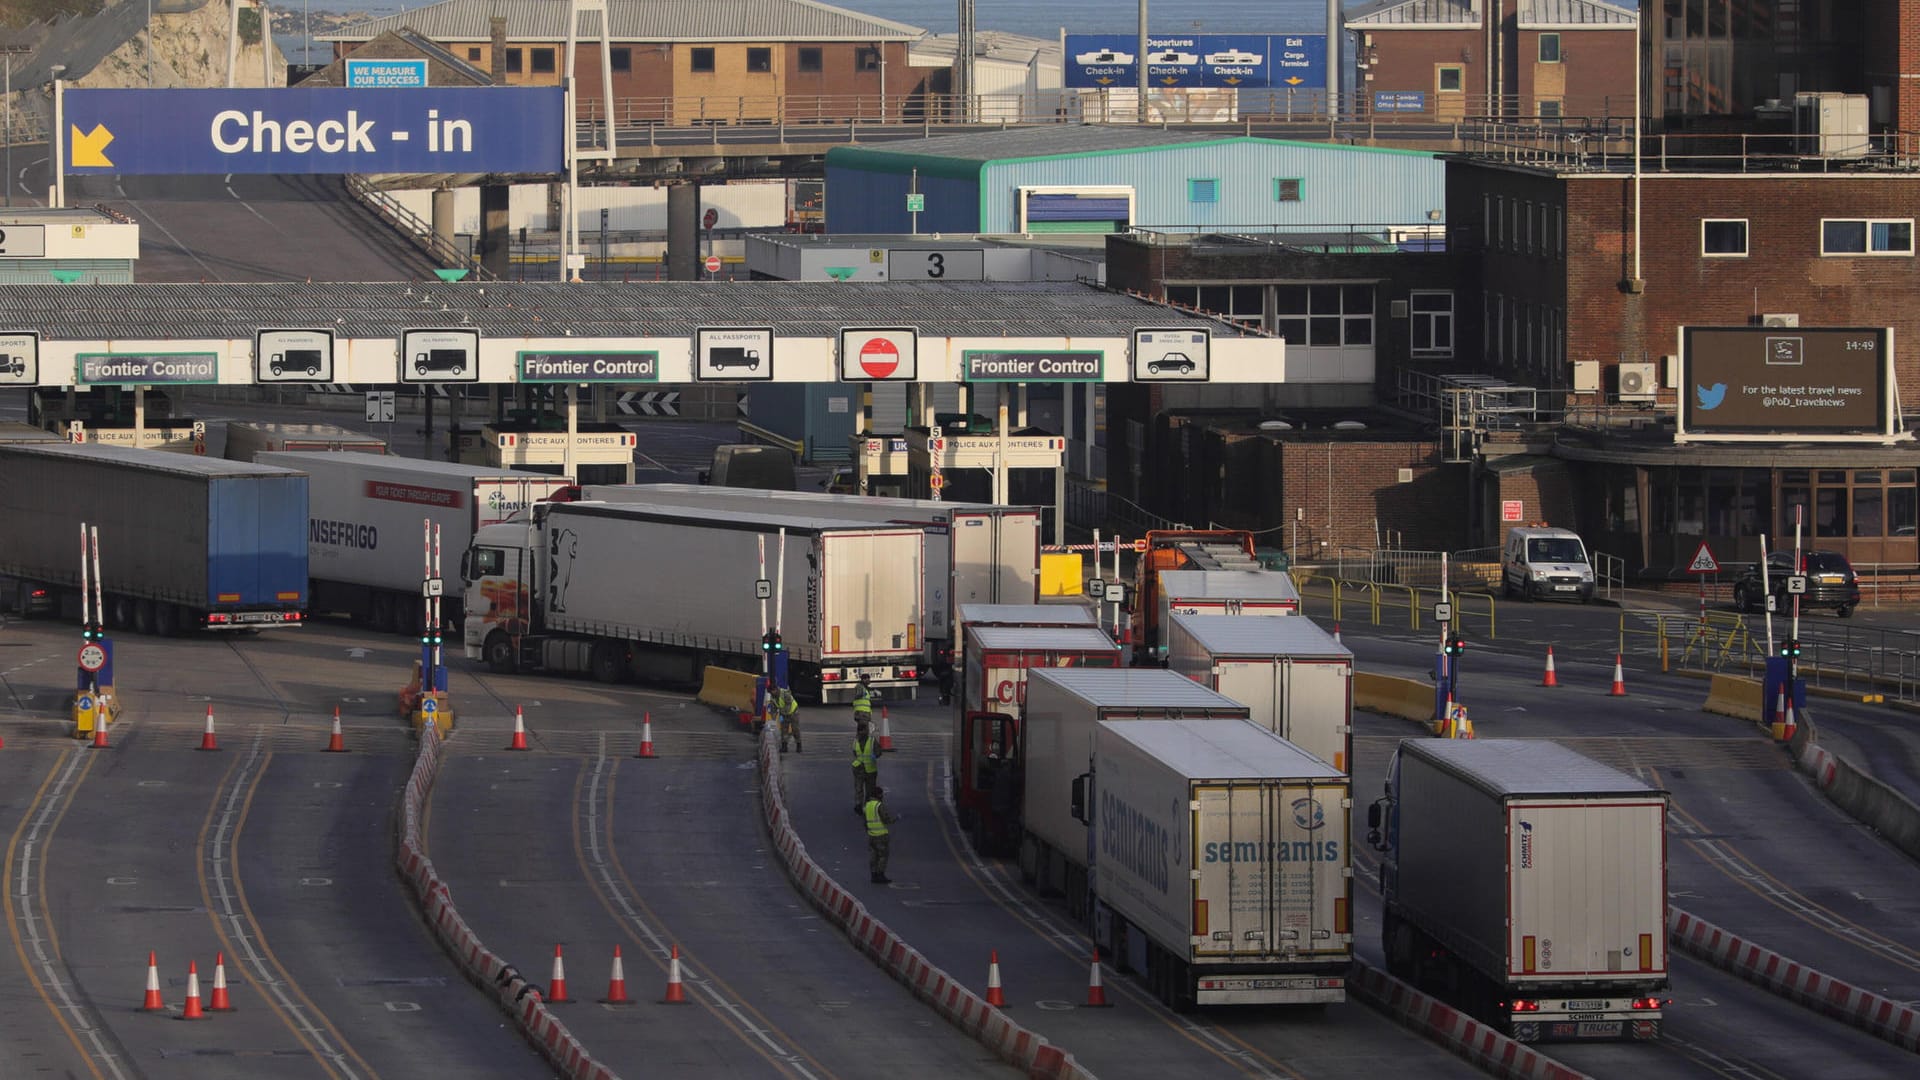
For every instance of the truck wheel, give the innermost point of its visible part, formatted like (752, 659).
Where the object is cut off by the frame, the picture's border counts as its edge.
(143, 616)
(166, 620)
(498, 653)
(608, 661)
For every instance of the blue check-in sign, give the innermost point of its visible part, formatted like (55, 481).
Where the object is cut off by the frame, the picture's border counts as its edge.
(387, 74)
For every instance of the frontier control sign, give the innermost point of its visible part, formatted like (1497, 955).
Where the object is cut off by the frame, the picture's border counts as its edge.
(475, 129)
(1032, 365)
(1786, 382)
(589, 367)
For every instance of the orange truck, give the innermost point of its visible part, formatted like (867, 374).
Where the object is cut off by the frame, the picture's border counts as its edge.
(1180, 549)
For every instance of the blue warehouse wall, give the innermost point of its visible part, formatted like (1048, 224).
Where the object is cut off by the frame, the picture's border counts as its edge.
(868, 196)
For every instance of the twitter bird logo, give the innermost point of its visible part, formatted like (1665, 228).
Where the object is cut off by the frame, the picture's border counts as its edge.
(1710, 396)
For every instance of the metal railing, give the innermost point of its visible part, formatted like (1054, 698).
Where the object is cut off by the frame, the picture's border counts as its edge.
(1566, 149)
(1378, 600)
(1609, 577)
(410, 225)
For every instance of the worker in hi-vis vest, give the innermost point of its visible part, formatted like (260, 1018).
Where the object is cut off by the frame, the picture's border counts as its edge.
(866, 764)
(878, 840)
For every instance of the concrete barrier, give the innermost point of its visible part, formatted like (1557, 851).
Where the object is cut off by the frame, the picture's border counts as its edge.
(1735, 696)
(517, 997)
(725, 688)
(1865, 799)
(1472, 1040)
(1885, 1018)
(959, 1006)
(1409, 699)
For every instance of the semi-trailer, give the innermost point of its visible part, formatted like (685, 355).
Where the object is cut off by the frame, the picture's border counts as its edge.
(185, 542)
(1296, 679)
(1173, 550)
(365, 518)
(246, 440)
(1527, 884)
(658, 592)
(1221, 870)
(1223, 592)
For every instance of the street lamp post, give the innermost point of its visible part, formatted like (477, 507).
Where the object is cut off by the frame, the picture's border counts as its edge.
(59, 138)
(11, 51)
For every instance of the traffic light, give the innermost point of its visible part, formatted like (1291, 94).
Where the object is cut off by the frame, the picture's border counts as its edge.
(93, 632)
(1790, 648)
(770, 642)
(1455, 645)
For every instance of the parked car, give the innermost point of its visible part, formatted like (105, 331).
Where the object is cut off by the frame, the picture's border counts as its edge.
(1831, 583)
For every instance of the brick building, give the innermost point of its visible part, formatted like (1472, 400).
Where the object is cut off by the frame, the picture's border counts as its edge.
(1508, 58)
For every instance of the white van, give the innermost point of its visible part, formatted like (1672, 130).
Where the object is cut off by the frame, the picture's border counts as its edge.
(1546, 564)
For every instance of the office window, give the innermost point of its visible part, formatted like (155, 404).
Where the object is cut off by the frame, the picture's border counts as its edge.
(621, 59)
(1451, 78)
(760, 59)
(1866, 236)
(1286, 190)
(1500, 221)
(1324, 316)
(513, 62)
(1550, 109)
(1523, 226)
(1431, 316)
(1203, 191)
(473, 53)
(810, 58)
(1549, 48)
(1560, 231)
(700, 58)
(1723, 237)
(1244, 304)
(1486, 219)
(542, 61)
(866, 59)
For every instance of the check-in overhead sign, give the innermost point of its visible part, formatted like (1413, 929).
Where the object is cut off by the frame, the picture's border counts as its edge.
(147, 369)
(19, 358)
(1198, 60)
(1785, 381)
(497, 129)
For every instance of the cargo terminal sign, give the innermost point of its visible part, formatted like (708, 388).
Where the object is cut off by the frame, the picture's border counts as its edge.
(469, 129)
(1764, 382)
(1032, 365)
(589, 367)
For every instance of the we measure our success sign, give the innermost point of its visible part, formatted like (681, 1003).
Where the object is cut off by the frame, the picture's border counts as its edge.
(497, 129)
(1775, 381)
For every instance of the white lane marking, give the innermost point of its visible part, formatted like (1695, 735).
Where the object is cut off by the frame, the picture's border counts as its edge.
(227, 907)
(83, 1018)
(603, 869)
(149, 219)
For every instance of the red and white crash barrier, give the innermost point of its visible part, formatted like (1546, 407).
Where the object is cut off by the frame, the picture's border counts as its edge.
(1885, 1018)
(1453, 1029)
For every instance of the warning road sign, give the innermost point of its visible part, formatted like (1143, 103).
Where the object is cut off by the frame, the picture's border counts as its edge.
(1703, 561)
(92, 657)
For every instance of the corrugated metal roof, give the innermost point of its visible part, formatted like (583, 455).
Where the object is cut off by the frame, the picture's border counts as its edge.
(1028, 614)
(1127, 688)
(940, 50)
(1056, 638)
(1223, 750)
(640, 20)
(1523, 767)
(1044, 141)
(1237, 635)
(1228, 584)
(297, 459)
(160, 461)
(1416, 13)
(589, 309)
(1594, 14)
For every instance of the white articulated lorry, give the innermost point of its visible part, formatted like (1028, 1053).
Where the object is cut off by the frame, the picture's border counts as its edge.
(1526, 884)
(1296, 680)
(365, 544)
(661, 593)
(975, 553)
(1224, 592)
(1221, 864)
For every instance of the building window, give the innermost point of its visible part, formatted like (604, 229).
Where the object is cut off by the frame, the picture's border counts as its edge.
(1244, 304)
(542, 61)
(1203, 191)
(1486, 219)
(473, 54)
(513, 61)
(1549, 48)
(1431, 315)
(621, 59)
(1866, 236)
(1286, 190)
(810, 58)
(1723, 237)
(1500, 222)
(759, 59)
(1451, 78)
(1324, 316)
(1560, 231)
(1523, 213)
(1550, 109)
(700, 58)
(866, 59)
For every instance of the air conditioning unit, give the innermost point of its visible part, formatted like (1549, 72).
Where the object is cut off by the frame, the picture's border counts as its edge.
(1586, 376)
(1670, 371)
(1638, 382)
(1780, 318)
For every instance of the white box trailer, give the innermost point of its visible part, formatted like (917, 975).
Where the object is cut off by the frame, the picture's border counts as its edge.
(663, 592)
(365, 544)
(975, 553)
(1528, 883)
(247, 439)
(1225, 592)
(1296, 680)
(1063, 707)
(1221, 862)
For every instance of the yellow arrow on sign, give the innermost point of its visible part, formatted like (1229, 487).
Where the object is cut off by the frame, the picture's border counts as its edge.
(1170, 79)
(1231, 80)
(1103, 80)
(89, 148)
(1294, 80)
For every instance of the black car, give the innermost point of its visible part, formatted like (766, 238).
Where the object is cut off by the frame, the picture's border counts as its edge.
(1831, 583)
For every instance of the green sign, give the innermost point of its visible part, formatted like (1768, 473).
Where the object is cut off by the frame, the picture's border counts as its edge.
(589, 367)
(916, 202)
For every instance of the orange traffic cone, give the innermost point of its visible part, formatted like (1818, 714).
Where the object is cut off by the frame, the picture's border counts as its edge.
(99, 733)
(1619, 679)
(676, 991)
(207, 741)
(995, 996)
(557, 986)
(336, 743)
(1788, 728)
(886, 731)
(617, 982)
(1096, 990)
(153, 1002)
(646, 735)
(1551, 679)
(1778, 725)
(219, 1002)
(192, 1009)
(519, 730)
